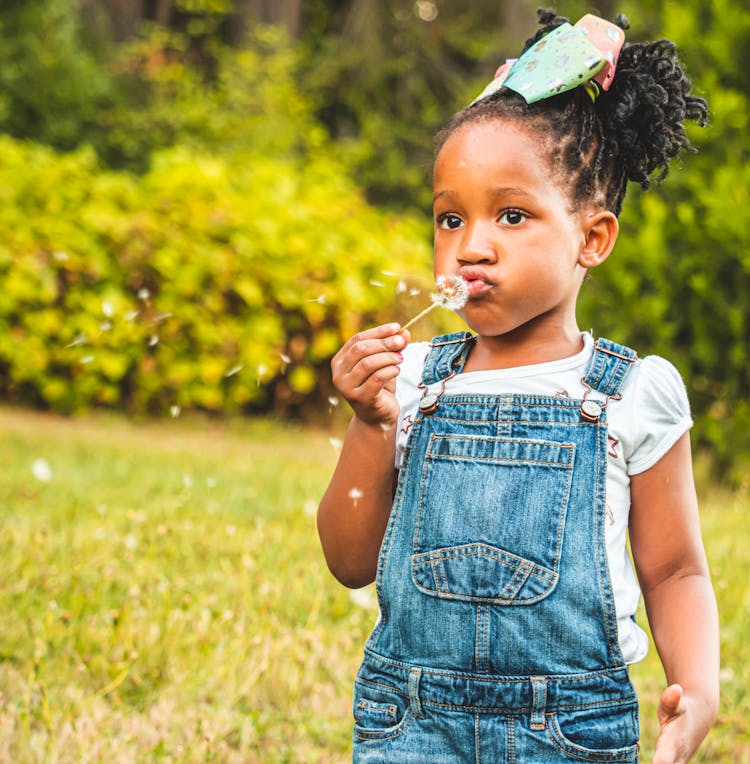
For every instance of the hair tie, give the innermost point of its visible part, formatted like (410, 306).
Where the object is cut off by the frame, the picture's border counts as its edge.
(568, 56)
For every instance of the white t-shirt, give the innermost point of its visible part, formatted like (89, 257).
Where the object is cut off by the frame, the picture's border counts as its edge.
(651, 416)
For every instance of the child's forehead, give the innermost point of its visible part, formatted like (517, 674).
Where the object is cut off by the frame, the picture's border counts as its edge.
(500, 143)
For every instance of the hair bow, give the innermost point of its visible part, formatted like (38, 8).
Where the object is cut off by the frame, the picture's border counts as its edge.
(584, 54)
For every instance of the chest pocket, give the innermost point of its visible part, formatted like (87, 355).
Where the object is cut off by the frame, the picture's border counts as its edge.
(491, 518)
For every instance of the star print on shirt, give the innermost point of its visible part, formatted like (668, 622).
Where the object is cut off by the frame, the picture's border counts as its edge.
(407, 424)
(612, 444)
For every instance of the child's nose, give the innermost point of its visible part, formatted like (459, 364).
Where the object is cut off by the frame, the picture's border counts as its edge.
(478, 245)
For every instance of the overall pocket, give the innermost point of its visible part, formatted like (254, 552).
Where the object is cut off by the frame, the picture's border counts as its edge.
(380, 713)
(491, 518)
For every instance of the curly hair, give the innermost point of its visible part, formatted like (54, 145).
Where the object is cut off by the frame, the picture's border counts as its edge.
(630, 133)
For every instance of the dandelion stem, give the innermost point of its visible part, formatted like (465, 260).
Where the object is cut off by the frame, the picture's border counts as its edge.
(419, 315)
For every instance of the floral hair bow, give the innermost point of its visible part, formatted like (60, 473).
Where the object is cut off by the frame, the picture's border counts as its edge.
(585, 54)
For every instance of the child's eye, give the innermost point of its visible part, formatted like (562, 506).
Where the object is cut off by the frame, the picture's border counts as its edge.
(513, 217)
(449, 221)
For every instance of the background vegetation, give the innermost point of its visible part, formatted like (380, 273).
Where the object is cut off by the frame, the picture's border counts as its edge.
(200, 198)
(166, 600)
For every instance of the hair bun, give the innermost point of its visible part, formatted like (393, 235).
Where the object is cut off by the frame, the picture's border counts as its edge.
(644, 111)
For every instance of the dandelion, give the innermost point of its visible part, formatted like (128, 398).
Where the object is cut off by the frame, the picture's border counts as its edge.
(41, 470)
(452, 294)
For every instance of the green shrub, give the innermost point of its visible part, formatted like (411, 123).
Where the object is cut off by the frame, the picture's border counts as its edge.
(217, 283)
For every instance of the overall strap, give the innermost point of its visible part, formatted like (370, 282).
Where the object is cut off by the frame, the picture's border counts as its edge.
(608, 368)
(446, 357)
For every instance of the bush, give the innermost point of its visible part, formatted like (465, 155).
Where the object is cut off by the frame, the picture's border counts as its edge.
(218, 283)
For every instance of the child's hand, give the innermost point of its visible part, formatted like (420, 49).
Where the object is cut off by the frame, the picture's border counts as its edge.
(673, 745)
(365, 371)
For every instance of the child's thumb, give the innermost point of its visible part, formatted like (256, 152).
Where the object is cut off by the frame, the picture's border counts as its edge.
(670, 704)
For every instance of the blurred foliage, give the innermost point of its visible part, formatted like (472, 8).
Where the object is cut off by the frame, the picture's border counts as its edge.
(190, 286)
(223, 167)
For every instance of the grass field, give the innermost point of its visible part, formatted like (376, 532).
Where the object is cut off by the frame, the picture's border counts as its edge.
(164, 597)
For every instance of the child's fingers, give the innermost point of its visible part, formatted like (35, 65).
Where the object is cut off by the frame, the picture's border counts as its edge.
(372, 371)
(367, 343)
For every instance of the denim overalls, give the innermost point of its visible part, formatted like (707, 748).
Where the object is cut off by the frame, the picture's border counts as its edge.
(497, 638)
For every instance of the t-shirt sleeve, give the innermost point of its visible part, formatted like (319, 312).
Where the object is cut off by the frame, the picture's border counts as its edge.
(661, 413)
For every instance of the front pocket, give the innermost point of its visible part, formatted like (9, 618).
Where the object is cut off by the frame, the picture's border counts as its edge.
(491, 518)
(379, 713)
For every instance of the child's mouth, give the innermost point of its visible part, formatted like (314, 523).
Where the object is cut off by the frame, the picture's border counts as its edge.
(476, 282)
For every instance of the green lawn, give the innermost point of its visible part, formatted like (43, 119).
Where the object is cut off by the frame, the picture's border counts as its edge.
(164, 597)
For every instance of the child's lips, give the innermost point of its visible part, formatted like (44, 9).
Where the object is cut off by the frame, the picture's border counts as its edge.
(477, 282)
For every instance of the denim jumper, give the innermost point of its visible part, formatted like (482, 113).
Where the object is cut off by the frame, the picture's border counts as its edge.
(497, 637)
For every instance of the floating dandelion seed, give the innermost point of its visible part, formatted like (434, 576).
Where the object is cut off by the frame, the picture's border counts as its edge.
(41, 470)
(105, 326)
(333, 400)
(285, 358)
(143, 294)
(174, 411)
(81, 339)
(320, 300)
(153, 341)
(362, 597)
(61, 257)
(87, 359)
(234, 370)
(337, 443)
(107, 309)
(355, 495)
(452, 293)
(402, 287)
(375, 283)
(131, 315)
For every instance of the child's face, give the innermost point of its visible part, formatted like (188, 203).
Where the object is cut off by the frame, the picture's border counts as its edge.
(505, 223)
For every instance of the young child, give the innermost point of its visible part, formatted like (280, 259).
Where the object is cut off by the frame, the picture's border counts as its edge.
(526, 452)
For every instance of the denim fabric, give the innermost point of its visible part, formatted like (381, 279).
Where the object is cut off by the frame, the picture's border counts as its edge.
(497, 640)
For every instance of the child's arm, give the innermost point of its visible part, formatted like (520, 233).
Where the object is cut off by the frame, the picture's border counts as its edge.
(354, 511)
(668, 552)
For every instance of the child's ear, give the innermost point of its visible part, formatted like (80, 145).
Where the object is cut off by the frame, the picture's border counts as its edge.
(600, 230)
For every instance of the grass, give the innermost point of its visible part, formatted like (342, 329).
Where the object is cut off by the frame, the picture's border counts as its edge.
(164, 597)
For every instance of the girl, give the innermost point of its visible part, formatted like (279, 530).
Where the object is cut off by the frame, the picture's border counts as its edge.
(526, 451)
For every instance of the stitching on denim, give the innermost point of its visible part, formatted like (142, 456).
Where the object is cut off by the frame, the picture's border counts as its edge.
(547, 575)
(603, 673)
(525, 709)
(510, 722)
(498, 460)
(477, 740)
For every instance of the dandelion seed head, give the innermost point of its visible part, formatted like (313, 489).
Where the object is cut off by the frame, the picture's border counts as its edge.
(453, 292)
